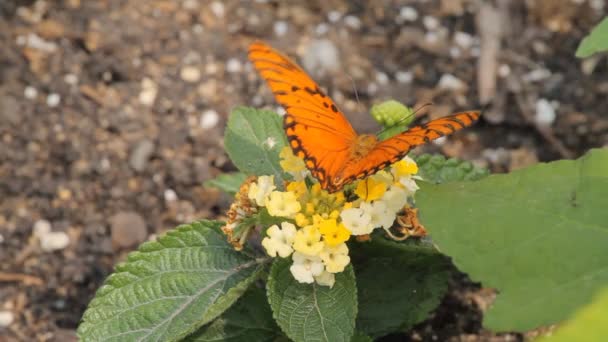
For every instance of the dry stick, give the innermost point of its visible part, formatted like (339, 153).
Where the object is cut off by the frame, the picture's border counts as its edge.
(19, 277)
(545, 132)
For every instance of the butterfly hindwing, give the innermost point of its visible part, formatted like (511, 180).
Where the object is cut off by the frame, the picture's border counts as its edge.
(317, 131)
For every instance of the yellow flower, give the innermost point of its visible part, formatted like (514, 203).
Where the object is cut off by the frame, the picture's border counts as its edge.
(292, 164)
(298, 188)
(335, 258)
(284, 204)
(405, 167)
(370, 189)
(302, 220)
(259, 191)
(308, 241)
(333, 233)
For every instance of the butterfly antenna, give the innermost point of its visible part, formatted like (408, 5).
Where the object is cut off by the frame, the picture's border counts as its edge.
(352, 80)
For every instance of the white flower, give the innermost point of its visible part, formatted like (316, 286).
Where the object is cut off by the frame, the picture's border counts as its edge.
(335, 258)
(395, 199)
(357, 221)
(379, 213)
(260, 190)
(306, 267)
(326, 279)
(279, 241)
(409, 183)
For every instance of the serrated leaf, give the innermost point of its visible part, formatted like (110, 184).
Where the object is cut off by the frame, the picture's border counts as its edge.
(253, 140)
(538, 235)
(398, 284)
(436, 169)
(170, 287)
(596, 41)
(227, 182)
(310, 312)
(587, 324)
(250, 319)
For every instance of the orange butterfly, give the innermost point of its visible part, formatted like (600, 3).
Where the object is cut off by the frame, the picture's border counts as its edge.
(320, 134)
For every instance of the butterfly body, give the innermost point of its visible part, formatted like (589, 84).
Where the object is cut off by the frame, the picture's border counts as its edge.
(319, 133)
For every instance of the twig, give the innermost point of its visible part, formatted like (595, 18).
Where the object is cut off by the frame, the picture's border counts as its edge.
(19, 277)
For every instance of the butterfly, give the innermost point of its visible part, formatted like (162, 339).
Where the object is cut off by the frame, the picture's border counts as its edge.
(319, 133)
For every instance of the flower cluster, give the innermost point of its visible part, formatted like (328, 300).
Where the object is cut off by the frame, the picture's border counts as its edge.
(315, 225)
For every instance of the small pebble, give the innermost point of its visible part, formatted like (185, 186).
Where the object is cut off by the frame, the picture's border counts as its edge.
(148, 93)
(127, 229)
(53, 99)
(41, 227)
(430, 23)
(408, 13)
(404, 76)
(190, 74)
(217, 7)
(280, 28)
(382, 78)
(334, 16)
(170, 195)
(6, 318)
(70, 79)
(352, 22)
(209, 119)
(537, 75)
(440, 141)
(451, 82)
(30, 93)
(545, 113)
(321, 29)
(504, 70)
(54, 241)
(1, 238)
(140, 155)
(321, 55)
(233, 65)
(463, 39)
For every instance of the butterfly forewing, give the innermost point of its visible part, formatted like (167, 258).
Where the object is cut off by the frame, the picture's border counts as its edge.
(391, 150)
(315, 128)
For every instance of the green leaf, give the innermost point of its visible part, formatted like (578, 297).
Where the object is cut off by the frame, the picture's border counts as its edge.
(310, 312)
(227, 182)
(588, 324)
(436, 169)
(250, 319)
(253, 140)
(361, 337)
(596, 41)
(538, 235)
(170, 287)
(398, 284)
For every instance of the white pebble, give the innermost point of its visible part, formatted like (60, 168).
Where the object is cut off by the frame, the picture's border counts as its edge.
(70, 79)
(321, 56)
(455, 52)
(209, 119)
(30, 93)
(53, 99)
(6, 318)
(281, 111)
(54, 241)
(450, 82)
(352, 22)
(170, 195)
(190, 74)
(233, 65)
(372, 88)
(41, 227)
(334, 16)
(217, 8)
(408, 13)
(440, 141)
(545, 113)
(537, 75)
(321, 29)
(36, 42)
(280, 28)
(404, 76)
(430, 23)
(148, 93)
(1, 238)
(597, 5)
(504, 70)
(431, 37)
(381, 78)
(463, 39)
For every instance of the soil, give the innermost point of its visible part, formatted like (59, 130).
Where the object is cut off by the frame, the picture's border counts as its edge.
(112, 116)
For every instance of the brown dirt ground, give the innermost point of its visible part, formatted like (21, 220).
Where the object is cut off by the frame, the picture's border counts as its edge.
(108, 108)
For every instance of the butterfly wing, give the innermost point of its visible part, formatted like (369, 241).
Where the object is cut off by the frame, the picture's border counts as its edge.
(317, 131)
(393, 149)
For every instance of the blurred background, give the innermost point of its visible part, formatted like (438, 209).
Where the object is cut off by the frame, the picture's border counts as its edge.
(112, 115)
